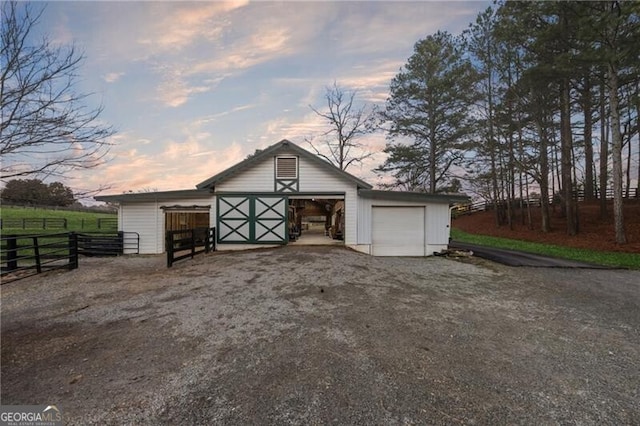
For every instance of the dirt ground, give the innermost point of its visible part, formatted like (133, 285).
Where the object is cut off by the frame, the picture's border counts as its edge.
(316, 335)
(594, 233)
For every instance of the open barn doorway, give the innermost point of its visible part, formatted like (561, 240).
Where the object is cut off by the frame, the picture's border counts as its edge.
(316, 221)
(184, 218)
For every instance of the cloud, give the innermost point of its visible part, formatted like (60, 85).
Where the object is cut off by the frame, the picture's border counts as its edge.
(179, 164)
(176, 92)
(379, 30)
(215, 117)
(176, 88)
(187, 77)
(189, 23)
(112, 77)
(264, 45)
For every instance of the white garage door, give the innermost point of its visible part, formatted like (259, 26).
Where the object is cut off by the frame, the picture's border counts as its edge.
(398, 231)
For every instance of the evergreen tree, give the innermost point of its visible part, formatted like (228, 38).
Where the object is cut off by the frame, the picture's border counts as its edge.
(429, 107)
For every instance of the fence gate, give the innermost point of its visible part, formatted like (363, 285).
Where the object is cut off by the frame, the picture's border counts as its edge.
(252, 219)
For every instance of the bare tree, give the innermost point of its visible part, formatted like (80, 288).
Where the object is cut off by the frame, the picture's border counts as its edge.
(340, 145)
(46, 129)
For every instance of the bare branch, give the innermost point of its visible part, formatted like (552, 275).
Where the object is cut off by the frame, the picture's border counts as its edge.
(46, 130)
(340, 144)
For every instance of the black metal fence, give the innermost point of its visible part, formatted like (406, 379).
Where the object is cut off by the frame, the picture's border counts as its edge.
(187, 243)
(23, 256)
(26, 255)
(108, 244)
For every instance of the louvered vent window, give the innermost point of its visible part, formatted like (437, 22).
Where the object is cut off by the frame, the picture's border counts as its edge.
(286, 167)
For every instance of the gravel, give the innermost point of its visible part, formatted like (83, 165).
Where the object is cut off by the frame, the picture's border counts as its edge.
(308, 335)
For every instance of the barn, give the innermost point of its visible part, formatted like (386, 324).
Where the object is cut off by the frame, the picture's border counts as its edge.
(282, 195)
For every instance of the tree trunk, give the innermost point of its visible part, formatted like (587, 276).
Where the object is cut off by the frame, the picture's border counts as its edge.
(566, 161)
(492, 140)
(432, 168)
(588, 142)
(544, 180)
(616, 154)
(628, 172)
(433, 145)
(638, 133)
(604, 152)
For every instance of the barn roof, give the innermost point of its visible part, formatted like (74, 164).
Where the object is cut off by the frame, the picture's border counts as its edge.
(412, 196)
(282, 146)
(154, 196)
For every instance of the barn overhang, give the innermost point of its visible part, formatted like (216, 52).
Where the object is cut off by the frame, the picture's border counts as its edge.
(413, 196)
(141, 197)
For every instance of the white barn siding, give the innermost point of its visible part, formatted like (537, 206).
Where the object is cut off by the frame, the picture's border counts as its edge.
(258, 178)
(143, 219)
(438, 227)
(147, 219)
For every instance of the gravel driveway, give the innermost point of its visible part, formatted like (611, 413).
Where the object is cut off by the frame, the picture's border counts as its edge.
(316, 335)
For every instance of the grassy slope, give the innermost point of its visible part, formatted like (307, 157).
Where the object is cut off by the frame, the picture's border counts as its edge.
(74, 219)
(624, 260)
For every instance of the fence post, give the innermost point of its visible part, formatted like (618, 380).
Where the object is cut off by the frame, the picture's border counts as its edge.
(73, 250)
(36, 252)
(120, 242)
(207, 241)
(65, 222)
(12, 252)
(169, 248)
(193, 243)
(213, 241)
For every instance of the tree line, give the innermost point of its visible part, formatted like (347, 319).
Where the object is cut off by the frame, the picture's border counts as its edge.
(37, 193)
(521, 102)
(534, 97)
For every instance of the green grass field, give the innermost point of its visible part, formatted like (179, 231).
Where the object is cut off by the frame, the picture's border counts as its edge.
(76, 221)
(621, 260)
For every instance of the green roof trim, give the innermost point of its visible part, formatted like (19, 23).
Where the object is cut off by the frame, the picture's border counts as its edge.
(154, 196)
(282, 146)
(413, 196)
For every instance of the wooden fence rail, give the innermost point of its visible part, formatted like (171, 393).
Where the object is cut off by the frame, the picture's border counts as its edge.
(188, 243)
(106, 223)
(468, 208)
(34, 223)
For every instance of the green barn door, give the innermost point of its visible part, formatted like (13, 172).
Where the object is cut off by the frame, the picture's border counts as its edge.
(271, 220)
(250, 219)
(233, 219)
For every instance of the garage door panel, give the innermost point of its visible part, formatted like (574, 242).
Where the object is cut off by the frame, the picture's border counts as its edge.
(398, 231)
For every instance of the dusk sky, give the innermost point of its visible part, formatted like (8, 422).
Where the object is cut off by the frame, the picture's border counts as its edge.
(193, 88)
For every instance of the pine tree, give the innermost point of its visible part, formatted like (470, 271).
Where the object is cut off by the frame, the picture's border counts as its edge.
(429, 107)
